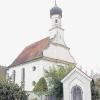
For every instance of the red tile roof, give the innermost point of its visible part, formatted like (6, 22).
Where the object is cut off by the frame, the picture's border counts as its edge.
(31, 52)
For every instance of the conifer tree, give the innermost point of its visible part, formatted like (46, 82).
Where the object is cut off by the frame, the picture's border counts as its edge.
(41, 87)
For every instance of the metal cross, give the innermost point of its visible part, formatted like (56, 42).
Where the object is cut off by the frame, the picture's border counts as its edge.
(55, 3)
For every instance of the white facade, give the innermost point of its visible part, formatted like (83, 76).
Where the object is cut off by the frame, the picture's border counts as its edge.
(79, 79)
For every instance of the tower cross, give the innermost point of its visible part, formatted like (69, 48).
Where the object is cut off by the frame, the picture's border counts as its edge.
(55, 3)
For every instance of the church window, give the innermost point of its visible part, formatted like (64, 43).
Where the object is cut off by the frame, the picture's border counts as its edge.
(23, 74)
(33, 83)
(34, 68)
(76, 93)
(56, 21)
(23, 78)
(13, 77)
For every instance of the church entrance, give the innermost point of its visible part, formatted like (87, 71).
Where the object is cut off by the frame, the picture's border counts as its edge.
(76, 93)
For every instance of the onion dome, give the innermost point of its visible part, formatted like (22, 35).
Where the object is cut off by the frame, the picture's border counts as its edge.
(56, 11)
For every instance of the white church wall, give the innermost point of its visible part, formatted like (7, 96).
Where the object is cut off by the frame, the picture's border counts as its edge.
(31, 75)
(57, 52)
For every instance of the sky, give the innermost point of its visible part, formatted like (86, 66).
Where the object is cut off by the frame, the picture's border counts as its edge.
(23, 22)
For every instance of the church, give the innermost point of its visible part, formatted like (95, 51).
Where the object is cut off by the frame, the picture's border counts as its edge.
(28, 67)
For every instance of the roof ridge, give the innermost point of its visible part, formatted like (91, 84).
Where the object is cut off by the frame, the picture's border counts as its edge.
(36, 42)
(31, 52)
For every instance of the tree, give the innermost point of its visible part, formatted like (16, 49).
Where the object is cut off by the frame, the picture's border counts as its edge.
(97, 84)
(93, 90)
(2, 73)
(54, 76)
(11, 91)
(41, 87)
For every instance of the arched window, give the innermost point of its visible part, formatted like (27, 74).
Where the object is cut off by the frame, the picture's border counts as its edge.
(14, 76)
(33, 83)
(23, 78)
(76, 93)
(34, 68)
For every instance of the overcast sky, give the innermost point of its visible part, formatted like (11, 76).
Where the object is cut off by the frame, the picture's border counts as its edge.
(23, 22)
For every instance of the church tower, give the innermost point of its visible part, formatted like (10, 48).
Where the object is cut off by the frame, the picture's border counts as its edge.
(56, 31)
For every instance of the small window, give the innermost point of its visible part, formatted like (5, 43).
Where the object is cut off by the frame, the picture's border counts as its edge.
(23, 75)
(14, 75)
(56, 21)
(33, 83)
(34, 68)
